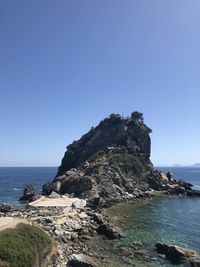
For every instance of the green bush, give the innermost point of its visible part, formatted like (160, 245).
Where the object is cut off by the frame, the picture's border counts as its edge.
(21, 246)
(97, 155)
(126, 162)
(118, 149)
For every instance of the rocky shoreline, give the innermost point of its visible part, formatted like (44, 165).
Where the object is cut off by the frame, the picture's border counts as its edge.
(70, 229)
(73, 227)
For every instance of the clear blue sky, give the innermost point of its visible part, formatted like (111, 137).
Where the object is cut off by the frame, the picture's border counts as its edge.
(65, 65)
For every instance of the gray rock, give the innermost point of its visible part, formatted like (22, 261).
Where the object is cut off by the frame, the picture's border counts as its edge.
(193, 193)
(76, 185)
(109, 231)
(54, 195)
(195, 263)
(56, 232)
(6, 207)
(48, 188)
(76, 226)
(98, 218)
(79, 204)
(174, 253)
(70, 172)
(180, 190)
(29, 193)
(73, 236)
(81, 260)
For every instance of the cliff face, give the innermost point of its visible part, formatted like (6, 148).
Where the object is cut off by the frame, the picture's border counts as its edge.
(109, 161)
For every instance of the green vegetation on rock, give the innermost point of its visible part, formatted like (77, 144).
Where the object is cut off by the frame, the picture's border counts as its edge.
(128, 163)
(24, 246)
(97, 155)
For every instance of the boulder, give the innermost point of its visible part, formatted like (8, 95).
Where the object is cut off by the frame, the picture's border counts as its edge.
(195, 263)
(79, 204)
(180, 190)
(54, 195)
(6, 207)
(193, 193)
(29, 193)
(184, 184)
(98, 218)
(109, 231)
(174, 253)
(81, 260)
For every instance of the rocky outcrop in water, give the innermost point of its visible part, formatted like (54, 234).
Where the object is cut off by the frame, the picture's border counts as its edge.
(112, 163)
(177, 254)
(29, 194)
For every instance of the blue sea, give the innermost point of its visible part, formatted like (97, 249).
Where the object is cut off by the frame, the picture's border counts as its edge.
(14, 179)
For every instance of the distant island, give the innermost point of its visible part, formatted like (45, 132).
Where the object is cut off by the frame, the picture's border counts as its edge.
(180, 165)
(196, 165)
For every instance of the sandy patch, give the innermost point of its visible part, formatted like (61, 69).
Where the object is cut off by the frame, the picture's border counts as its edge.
(9, 222)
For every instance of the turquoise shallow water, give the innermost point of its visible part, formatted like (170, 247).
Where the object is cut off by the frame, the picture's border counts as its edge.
(167, 219)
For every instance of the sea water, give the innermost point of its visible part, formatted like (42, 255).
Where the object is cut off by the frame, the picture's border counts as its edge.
(13, 180)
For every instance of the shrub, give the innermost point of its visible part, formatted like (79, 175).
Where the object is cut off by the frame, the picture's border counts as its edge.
(137, 116)
(97, 155)
(126, 162)
(21, 246)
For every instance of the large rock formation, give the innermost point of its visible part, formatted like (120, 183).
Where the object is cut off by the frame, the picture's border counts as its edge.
(110, 162)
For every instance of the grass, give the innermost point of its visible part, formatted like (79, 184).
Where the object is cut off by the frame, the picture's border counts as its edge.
(24, 246)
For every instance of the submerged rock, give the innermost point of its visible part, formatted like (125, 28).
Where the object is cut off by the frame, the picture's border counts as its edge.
(111, 232)
(174, 253)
